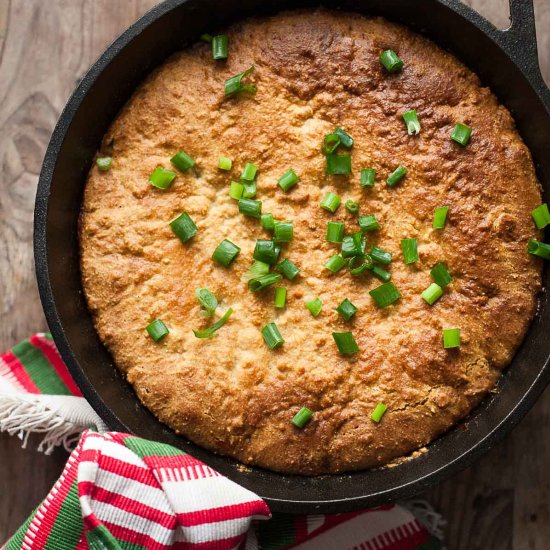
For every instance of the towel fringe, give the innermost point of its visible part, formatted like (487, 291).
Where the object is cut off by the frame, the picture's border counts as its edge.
(424, 512)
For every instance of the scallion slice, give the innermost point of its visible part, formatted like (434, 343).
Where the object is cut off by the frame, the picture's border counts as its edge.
(236, 190)
(338, 165)
(249, 172)
(272, 336)
(536, 248)
(184, 227)
(250, 207)
(461, 134)
(259, 283)
(345, 139)
(157, 330)
(440, 217)
(280, 297)
(346, 309)
(225, 163)
(432, 294)
(257, 269)
(451, 338)
(283, 232)
(249, 189)
(359, 264)
(211, 330)
(368, 176)
(288, 269)
(368, 223)
(225, 253)
(205, 37)
(331, 201)
(288, 180)
(267, 222)
(391, 62)
(207, 300)
(380, 256)
(345, 342)
(182, 161)
(234, 84)
(104, 163)
(409, 247)
(162, 178)
(220, 46)
(352, 245)
(331, 143)
(314, 306)
(541, 216)
(302, 417)
(411, 120)
(378, 412)
(380, 273)
(385, 295)
(335, 263)
(335, 232)
(396, 176)
(440, 275)
(352, 206)
(266, 251)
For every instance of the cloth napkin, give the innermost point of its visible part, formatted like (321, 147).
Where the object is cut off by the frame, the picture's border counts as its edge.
(120, 492)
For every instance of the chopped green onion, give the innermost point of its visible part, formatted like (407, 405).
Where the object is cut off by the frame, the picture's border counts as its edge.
(288, 180)
(432, 294)
(541, 216)
(391, 61)
(234, 84)
(280, 297)
(396, 176)
(368, 223)
(335, 232)
(368, 176)
(249, 172)
(162, 178)
(359, 264)
(249, 189)
(411, 120)
(346, 309)
(182, 161)
(385, 295)
(345, 342)
(539, 249)
(345, 139)
(352, 245)
(225, 253)
(257, 269)
(440, 275)
(331, 143)
(104, 163)
(380, 256)
(288, 269)
(207, 300)
(266, 251)
(236, 190)
(338, 165)
(259, 283)
(220, 46)
(409, 248)
(272, 336)
(267, 222)
(352, 206)
(461, 134)
(440, 217)
(210, 331)
(380, 273)
(451, 338)
(283, 232)
(302, 417)
(157, 330)
(335, 263)
(331, 201)
(314, 306)
(205, 37)
(250, 207)
(225, 163)
(184, 227)
(378, 412)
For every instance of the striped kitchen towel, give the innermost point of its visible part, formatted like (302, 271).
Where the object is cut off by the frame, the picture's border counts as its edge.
(120, 492)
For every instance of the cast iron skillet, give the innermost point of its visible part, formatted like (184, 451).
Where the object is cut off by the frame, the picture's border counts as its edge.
(505, 60)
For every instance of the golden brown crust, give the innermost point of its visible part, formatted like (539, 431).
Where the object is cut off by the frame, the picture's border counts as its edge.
(314, 70)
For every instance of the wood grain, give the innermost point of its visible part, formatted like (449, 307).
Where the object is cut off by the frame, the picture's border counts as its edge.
(502, 502)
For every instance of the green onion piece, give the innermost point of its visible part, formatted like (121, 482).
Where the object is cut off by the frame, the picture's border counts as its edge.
(207, 300)
(225, 253)
(157, 330)
(259, 283)
(440, 217)
(541, 216)
(257, 269)
(378, 412)
(352, 206)
(461, 134)
(104, 163)
(267, 222)
(440, 275)
(432, 294)
(250, 207)
(380, 256)
(380, 273)
(391, 61)
(283, 232)
(302, 417)
(182, 161)
(335, 232)
(359, 264)
(249, 172)
(280, 297)
(272, 336)
(346, 309)
(331, 143)
(288, 180)
(335, 263)
(385, 295)
(368, 223)
(396, 176)
(249, 189)
(411, 120)
(234, 84)
(368, 176)
(184, 227)
(225, 163)
(220, 46)
(288, 269)
(451, 338)
(331, 201)
(314, 306)
(209, 332)
(536, 248)
(409, 247)
(266, 251)
(162, 178)
(345, 139)
(338, 165)
(236, 190)
(352, 245)
(205, 37)
(345, 342)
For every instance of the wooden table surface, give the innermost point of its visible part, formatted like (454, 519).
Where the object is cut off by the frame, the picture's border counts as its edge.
(502, 502)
